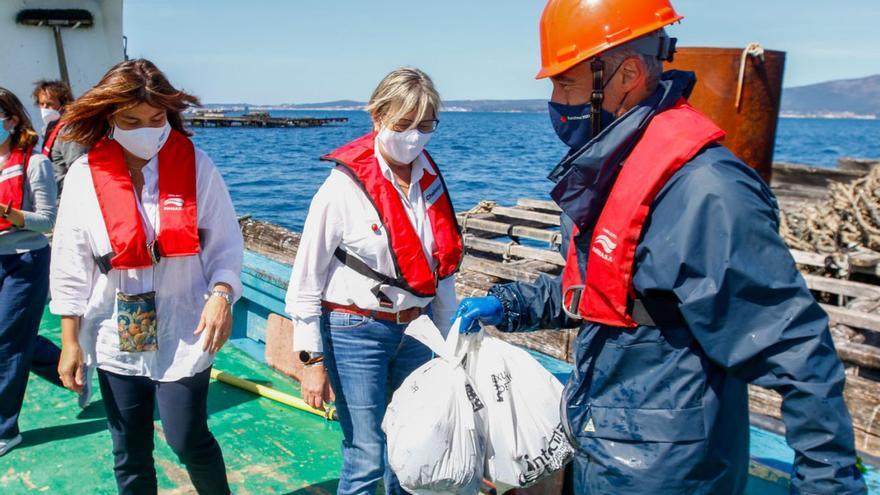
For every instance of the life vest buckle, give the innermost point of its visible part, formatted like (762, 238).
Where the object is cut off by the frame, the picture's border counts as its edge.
(570, 306)
(153, 249)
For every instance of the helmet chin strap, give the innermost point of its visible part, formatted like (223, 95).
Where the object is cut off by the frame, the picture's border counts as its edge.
(597, 97)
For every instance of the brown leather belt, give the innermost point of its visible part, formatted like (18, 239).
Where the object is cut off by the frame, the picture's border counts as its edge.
(401, 318)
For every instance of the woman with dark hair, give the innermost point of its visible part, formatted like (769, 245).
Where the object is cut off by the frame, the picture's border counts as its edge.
(27, 212)
(147, 265)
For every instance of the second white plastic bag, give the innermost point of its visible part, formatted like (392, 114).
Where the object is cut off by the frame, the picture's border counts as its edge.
(522, 399)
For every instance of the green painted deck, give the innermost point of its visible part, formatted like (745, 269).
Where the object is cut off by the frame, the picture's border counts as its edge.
(269, 448)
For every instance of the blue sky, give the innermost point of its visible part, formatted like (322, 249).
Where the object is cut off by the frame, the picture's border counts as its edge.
(281, 51)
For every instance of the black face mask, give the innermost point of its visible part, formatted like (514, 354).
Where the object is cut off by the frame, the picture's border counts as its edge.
(572, 123)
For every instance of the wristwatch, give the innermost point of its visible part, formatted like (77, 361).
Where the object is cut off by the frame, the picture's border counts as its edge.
(227, 296)
(309, 358)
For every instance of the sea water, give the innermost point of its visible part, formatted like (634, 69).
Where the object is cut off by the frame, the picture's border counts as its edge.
(273, 173)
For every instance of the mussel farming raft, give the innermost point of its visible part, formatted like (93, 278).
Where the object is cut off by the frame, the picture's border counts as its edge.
(518, 242)
(258, 119)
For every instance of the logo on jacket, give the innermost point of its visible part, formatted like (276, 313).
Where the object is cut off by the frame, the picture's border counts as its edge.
(433, 192)
(604, 245)
(173, 203)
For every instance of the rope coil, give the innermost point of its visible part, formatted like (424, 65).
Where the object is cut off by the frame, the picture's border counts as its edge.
(847, 222)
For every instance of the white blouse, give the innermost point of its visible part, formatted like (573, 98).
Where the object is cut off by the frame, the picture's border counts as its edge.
(79, 288)
(341, 214)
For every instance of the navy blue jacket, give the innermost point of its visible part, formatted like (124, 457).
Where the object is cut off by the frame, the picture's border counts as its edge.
(664, 410)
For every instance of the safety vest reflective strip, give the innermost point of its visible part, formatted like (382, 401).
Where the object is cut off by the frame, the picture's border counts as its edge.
(12, 178)
(178, 216)
(412, 267)
(671, 140)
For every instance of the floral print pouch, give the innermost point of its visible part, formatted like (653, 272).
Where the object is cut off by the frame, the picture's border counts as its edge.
(136, 322)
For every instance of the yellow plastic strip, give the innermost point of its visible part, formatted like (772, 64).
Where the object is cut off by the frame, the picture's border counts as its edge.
(272, 394)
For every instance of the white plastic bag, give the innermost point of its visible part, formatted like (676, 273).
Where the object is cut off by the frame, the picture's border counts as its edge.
(526, 438)
(435, 424)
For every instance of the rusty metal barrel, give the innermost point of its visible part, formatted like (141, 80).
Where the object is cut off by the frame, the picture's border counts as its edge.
(740, 89)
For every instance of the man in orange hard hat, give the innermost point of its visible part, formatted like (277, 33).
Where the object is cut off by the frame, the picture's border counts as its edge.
(675, 270)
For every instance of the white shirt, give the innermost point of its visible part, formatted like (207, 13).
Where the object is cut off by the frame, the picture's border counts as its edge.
(181, 283)
(341, 214)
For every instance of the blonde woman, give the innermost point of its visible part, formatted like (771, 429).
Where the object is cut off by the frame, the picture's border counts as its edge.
(380, 247)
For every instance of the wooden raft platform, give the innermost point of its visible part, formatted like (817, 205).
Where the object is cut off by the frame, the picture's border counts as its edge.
(258, 120)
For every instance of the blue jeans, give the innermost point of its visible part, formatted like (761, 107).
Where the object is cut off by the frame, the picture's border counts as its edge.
(24, 287)
(366, 361)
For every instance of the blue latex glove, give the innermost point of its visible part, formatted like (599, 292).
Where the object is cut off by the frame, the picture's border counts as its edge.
(475, 310)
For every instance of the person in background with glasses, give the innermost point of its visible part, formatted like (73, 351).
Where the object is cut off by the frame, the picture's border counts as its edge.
(380, 247)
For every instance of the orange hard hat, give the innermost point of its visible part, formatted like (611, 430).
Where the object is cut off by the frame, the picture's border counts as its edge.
(576, 30)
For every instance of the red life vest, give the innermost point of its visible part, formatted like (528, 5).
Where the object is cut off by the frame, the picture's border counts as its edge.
(50, 139)
(414, 272)
(178, 218)
(12, 178)
(671, 140)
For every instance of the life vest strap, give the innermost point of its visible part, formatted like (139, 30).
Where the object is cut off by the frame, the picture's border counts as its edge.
(105, 264)
(366, 270)
(658, 311)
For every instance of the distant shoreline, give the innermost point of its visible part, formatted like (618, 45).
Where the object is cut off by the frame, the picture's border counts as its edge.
(828, 115)
(458, 109)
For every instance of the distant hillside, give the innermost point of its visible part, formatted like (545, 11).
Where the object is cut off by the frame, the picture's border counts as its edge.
(845, 96)
(451, 105)
(841, 98)
(329, 105)
(497, 105)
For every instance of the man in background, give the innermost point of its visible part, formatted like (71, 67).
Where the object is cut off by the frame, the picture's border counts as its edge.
(52, 97)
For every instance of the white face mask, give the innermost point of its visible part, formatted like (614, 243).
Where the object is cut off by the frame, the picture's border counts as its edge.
(49, 115)
(144, 142)
(403, 147)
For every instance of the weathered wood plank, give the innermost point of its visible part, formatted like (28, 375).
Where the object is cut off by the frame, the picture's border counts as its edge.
(859, 165)
(554, 343)
(270, 240)
(809, 259)
(863, 400)
(523, 214)
(865, 356)
(538, 204)
(501, 228)
(852, 318)
(511, 249)
(846, 288)
(506, 271)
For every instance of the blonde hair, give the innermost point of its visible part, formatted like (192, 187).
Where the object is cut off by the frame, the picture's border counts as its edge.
(402, 91)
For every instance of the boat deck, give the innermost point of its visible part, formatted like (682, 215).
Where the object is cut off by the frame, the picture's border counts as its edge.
(269, 448)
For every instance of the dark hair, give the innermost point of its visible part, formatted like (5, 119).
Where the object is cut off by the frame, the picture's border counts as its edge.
(124, 86)
(58, 89)
(23, 135)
